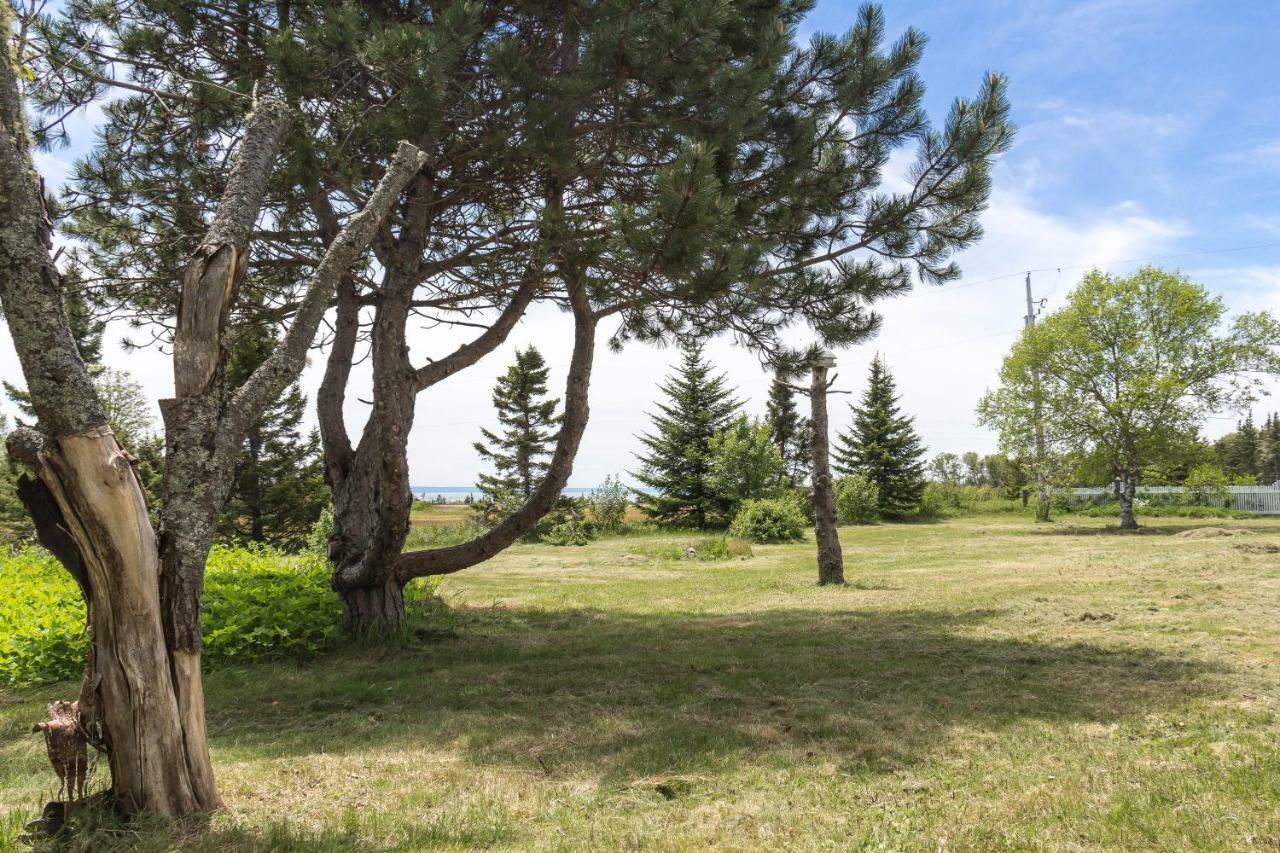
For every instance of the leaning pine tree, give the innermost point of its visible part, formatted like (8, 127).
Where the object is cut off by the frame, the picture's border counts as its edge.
(530, 424)
(676, 467)
(882, 443)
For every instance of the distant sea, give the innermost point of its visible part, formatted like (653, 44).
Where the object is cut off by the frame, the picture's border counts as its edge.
(459, 493)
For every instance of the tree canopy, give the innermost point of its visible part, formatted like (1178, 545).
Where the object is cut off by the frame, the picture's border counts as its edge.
(1129, 368)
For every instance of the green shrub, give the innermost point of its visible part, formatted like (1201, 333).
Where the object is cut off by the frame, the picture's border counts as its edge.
(608, 504)
(1206, 484)
(857, 500)
(567, 533)
(769, 520)
(258, 604)
(940, 500)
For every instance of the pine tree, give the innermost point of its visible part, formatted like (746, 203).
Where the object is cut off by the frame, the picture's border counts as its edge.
(788, 431)
(519, 454)
(1240, 452)
(676, 468)
(1269, 465)
(279, 491)
(882, 443)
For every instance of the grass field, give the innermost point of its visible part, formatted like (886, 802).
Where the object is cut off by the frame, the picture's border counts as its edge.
(980, 684)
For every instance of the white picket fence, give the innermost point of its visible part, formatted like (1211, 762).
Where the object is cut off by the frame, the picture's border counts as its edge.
(1264, 500)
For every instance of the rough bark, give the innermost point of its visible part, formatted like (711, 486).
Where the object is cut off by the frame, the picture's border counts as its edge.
(1128, 488)
(830, 557)
(89, 485)
(142, 700)
(370, 484)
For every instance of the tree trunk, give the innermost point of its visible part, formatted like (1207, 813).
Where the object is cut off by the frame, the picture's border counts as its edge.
(374, 611)
(1128, 486)
(1042, 497)
(135, 703)
(830, 557)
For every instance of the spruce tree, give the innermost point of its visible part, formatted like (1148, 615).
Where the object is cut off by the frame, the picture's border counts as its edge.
(882, 443)
(530, 426)
(279, 491)
(1269, 466)
(788, 431)
(1240, 452)
(676, 469)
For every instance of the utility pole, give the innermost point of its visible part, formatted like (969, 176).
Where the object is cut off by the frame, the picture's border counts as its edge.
(1042, 483)
(830, 558)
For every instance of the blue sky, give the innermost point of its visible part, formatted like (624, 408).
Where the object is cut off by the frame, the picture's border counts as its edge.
(1148, 129)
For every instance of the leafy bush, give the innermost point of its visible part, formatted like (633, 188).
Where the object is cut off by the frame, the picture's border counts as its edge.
(1206, 484)
(567, 533)
(745, 464)
(857, 500)
(940, 500)
(258, 604)
(769, 520)
(608, 504)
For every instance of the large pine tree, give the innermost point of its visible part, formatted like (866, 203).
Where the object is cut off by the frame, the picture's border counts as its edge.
(530, 427)
(279, 489)
(882, 443)
(788, 431)
(676, 468)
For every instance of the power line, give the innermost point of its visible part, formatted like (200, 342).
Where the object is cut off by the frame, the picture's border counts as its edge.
(1060, 268)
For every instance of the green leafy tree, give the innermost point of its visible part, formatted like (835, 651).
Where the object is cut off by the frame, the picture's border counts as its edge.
(745, 465)
(788, 431)
(676, 466)
(882, 443)
(529, 429)
(1131, 366)
(946, 468)
(278, 493)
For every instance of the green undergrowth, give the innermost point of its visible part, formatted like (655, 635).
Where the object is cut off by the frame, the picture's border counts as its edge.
(259, 604)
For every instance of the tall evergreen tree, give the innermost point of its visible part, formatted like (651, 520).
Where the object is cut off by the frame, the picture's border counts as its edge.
(677, 466)
(882, 443)
(1269, 465)
(1240, 453)
(530, 427)
(279, 490)
(788, 431)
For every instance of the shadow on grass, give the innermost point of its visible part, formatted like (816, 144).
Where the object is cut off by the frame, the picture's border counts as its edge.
(624, 696)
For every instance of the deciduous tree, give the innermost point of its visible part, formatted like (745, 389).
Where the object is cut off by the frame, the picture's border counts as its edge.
(1129, 367)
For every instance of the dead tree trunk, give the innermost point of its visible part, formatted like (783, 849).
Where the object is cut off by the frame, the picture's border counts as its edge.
(142, 701)
(830, 557)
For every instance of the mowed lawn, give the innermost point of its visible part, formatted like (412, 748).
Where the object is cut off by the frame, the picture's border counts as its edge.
(981, 684)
